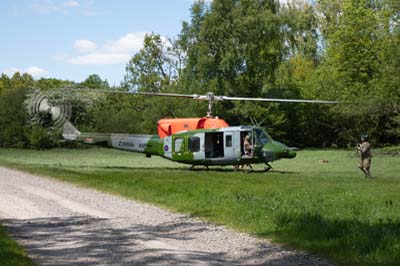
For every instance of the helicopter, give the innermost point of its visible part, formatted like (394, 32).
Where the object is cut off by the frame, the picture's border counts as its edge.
(205, 141)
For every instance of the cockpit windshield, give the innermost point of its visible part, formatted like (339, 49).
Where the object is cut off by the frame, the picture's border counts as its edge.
(261, 136)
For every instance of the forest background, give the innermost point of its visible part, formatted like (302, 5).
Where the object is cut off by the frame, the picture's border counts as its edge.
(345, 50)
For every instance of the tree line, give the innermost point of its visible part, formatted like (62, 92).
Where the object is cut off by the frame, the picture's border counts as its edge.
(345, 50)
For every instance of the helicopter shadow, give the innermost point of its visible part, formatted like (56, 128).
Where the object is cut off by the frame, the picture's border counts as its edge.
(284, 172)
(123, 168)
(188, 169)
(198, 169)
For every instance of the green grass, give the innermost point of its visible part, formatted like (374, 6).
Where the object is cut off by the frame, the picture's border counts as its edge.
(328, 209)
(10, 253)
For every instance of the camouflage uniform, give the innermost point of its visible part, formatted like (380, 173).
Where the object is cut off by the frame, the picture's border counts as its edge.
(365, 161)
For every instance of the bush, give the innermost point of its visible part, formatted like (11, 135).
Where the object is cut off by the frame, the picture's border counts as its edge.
(13, 118)
(42, 138)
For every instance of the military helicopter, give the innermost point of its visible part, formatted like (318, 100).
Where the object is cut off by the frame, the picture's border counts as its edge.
(205, 141)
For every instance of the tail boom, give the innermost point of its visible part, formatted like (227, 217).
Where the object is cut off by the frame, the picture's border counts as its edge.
(149, 144)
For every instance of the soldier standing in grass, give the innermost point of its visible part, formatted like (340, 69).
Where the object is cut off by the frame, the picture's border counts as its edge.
(365, 152)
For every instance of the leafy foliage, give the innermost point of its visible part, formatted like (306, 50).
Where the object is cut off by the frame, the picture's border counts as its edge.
(94, 81)
(155, 67)
(42, 138)
(357, 70)
(13, 118)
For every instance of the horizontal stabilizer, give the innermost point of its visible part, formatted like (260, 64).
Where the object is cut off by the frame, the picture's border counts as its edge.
(70, 132)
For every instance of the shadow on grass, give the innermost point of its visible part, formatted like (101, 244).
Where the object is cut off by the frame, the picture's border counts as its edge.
(361, 243)
(84, 240)
(117, 167)
(188, 168)
(283, 172)
(199, 169)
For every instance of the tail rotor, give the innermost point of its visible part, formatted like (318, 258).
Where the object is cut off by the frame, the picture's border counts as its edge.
(44, 112)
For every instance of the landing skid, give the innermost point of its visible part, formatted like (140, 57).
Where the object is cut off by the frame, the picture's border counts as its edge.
(250, 168)
(268, 167)
(192, 167)
(247, 167)
(241, 167)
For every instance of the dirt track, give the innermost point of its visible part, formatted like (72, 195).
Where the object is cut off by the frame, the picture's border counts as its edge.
(61, 224)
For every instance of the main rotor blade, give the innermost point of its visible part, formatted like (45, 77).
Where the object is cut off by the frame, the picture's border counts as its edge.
(176, 95)
(275, 100)
(192, 96)
(209, 97)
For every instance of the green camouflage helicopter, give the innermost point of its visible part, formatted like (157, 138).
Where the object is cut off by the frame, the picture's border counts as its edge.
(202, 141)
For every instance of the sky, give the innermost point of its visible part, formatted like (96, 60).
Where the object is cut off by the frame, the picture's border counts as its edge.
(71, 39)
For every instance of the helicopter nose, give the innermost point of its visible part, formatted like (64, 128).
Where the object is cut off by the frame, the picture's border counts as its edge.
(291, 153)
(280, 150)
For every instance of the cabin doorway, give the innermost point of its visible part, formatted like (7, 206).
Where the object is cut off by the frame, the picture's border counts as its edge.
(214, 145)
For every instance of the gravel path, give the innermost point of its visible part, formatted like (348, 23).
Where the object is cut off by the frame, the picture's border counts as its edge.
(62, 224)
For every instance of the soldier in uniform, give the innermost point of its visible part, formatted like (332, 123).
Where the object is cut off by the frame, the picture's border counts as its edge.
(364, 150)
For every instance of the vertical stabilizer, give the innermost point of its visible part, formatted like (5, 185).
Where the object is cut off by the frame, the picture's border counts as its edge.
(70, 132)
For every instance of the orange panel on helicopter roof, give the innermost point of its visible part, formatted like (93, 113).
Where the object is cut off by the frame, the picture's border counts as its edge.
(167, 127)
(207, 123)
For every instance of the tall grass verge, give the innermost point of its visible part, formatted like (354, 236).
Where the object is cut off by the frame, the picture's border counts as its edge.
(11, 254)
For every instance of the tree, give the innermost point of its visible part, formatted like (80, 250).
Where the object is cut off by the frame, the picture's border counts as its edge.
(233, 47)
(301, 54)
(95, 82)
(21, 81)
(359, 66)
(386, 84)
(52, 83)
(156, 67)
(5, 83)
(300, 30)
(13, 118)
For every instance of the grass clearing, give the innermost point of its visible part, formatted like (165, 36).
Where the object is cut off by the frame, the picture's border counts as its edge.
(319, 201)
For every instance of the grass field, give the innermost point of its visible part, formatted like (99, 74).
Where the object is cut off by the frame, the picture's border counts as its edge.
(319, 202)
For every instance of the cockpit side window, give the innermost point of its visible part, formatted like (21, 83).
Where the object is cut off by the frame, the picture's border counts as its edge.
(261, 137)
(178, 145)
(194, 144)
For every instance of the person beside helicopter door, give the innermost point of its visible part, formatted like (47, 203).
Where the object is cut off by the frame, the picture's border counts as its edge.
(248, 147)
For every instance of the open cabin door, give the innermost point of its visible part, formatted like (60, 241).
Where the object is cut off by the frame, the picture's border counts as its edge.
(219, 145)
(214, 145)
